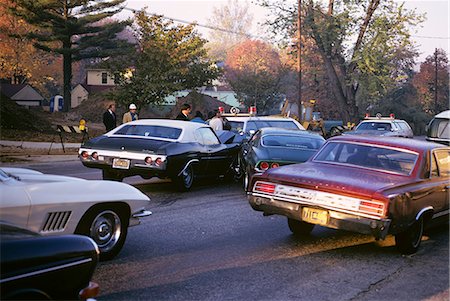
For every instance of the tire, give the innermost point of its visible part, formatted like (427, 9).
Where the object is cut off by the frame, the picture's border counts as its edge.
(186, 179)
(408, 242)
(112, 175)
(246, 179)
(108, 228)
(300, 228)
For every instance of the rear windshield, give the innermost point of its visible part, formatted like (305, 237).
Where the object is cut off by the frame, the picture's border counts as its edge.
(381, 158)
(292, 141)
(154, 131)
(374, 126)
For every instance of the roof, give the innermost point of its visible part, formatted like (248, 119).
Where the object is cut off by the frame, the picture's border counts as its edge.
(9, 90)
(20, 92)
(444, 114)
(396, 142)
(245, 118)
(381, 120)
(282, 131)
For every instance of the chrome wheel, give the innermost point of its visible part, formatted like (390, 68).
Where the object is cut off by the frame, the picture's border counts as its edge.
(106, 230)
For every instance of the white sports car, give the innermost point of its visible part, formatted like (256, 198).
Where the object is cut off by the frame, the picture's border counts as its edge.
(56, 205)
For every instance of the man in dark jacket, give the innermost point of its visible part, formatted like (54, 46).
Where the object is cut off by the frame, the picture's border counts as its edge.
(184, 112)
(109, 117)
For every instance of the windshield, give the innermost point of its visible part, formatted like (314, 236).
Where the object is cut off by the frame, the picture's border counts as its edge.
(292, 141)
(368, 156)
(154, 131)
(374, 126)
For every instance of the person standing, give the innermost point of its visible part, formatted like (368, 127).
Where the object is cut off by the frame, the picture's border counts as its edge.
(109, 117)
(131, 115)
(184, 112)
(216, 122)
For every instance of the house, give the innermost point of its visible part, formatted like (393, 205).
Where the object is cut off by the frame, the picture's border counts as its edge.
(97, 80)
(222, 93)
(22, 94)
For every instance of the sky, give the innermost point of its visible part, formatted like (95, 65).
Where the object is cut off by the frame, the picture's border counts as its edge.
(433, 33)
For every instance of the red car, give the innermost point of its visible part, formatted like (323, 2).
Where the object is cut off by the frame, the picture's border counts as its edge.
(370, 185)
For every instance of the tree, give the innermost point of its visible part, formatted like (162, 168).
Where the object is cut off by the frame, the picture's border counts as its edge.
(170, 58)
(359, 42)
(432, 82)
(233, 22)
(254, 71)
(70, 28)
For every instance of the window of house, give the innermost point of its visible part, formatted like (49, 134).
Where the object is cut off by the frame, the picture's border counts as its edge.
(104, 78)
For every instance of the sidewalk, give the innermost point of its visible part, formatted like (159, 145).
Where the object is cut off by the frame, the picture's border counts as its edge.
(37, 145)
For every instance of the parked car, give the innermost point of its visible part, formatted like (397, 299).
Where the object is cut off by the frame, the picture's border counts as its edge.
(173, 149)
(274, 147)
(383, 126)
(371, 185)
(35, 267)
(438, 130)
(56, 205)
(248, 125)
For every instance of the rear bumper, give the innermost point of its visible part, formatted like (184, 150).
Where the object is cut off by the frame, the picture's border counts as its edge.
(336, 220)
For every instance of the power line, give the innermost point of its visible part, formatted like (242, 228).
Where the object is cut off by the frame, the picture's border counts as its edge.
(427, 37)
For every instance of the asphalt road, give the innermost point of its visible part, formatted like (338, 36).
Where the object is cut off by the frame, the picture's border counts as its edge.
(208, 244)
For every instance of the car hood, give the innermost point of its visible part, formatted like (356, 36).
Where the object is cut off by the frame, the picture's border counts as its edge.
(151, 146)
(335, 178)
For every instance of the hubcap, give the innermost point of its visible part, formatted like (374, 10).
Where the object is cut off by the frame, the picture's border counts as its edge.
(106, 229)
(187, 177)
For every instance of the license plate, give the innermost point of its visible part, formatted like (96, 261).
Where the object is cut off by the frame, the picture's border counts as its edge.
(121, 163)
(314, 216)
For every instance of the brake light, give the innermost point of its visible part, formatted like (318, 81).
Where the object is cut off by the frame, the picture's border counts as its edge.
(158, 161)
(264, 165)
(264, 187)
(275, 165)
(84, 154)
(372, 207)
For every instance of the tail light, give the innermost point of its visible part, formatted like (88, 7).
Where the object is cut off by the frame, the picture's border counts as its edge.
(84, 154)
(158, 161)
(264, 187)
(94, 155)
(264, 165)
(148, 160)
(275, 165)
(372, 207)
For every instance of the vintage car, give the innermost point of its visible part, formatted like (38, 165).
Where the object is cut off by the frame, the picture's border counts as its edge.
(174, 149)
(274, 147)
(56, 205)
(382, 126)
(35, 267)
(371, 185)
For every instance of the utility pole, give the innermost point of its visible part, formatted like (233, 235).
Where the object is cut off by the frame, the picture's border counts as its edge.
(299, 34)
(436, 81)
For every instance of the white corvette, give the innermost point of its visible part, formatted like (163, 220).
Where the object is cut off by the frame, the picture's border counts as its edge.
(56, 205)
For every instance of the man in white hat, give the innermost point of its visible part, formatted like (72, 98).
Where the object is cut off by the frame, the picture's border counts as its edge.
(131, 115)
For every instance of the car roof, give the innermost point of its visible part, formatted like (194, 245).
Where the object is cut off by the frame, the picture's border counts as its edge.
(282, 131)
(386, 120)
(246, 118)
(444, 114)
(168, 122)
(397, 142)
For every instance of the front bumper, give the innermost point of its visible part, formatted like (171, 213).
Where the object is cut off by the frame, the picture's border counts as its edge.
(337, 220)
(135, 217)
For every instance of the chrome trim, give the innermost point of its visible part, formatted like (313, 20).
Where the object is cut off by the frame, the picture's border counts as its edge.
(145, 137)
(46, 270)
(419, 214)
(56, 221)
(120, 154)
(187, 165)
(442, 213)
(355, 213)
(142, 213)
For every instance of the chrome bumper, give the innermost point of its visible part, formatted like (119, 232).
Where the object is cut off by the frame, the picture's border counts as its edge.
(135, 218)
(337, 220)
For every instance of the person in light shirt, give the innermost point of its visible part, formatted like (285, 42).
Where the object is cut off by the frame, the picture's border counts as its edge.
(216, 122)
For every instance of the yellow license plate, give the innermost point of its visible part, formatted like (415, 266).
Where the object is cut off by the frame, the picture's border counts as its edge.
(315, 216)
(121, 163)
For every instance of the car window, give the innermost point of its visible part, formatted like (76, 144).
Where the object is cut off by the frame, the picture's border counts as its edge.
(236, 126)
(206, 136)
(443, 162)
(368, 156)
(292, 141)
(375, 126)
(154, 131)
(258, 124)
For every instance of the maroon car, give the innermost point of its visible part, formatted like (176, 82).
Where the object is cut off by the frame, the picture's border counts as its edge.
(371, 185)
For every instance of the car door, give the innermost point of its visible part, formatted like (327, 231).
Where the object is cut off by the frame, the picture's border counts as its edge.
(440, 174)
(219, 155)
